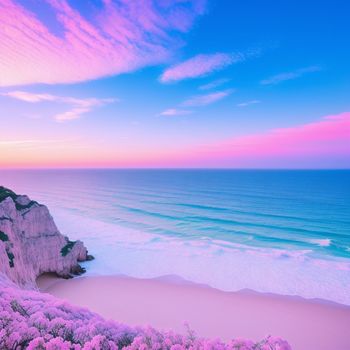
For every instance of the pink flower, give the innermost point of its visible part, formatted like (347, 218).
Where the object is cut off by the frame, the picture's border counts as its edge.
(36, 321)
(36, 344)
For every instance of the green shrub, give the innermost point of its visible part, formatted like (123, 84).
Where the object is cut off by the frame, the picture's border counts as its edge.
(11, 257)
(5, 192)
(67, 248)
(3, 236)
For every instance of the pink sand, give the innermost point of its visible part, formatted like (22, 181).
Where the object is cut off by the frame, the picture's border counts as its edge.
(306, 324)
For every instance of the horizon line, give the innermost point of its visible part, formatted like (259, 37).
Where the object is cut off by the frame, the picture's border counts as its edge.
(169, 168)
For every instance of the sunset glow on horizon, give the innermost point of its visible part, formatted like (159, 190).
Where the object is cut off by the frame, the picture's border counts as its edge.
(173, 84)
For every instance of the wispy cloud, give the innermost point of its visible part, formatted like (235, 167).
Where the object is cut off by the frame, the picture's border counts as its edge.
(203, 100)
(204, 64)
(78, 106)
(29, 97)
(214, 84)
(248, 103)
(31, 143)
(74, 113)
(199, 66)
(120, 37)
(82, 106)
(175, 111)
(197, 101)
(276, 79)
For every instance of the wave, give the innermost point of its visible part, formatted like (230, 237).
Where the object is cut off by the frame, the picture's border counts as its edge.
(272, 231)
(322, 242)
(221, 264)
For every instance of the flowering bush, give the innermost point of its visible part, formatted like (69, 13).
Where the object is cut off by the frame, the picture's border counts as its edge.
(35, 321)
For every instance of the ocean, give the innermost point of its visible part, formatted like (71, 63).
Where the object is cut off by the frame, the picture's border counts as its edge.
(274, 231)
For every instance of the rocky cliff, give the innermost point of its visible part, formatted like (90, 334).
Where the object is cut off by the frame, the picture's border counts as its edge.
(30, 243)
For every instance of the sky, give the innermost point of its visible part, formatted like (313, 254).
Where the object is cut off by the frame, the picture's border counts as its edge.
(174, 84)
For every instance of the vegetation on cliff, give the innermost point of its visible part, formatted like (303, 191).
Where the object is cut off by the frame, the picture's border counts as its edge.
(5, 193)
(3, 236)
(68, 247)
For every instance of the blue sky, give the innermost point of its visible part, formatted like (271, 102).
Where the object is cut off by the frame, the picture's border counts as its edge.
(287, 67)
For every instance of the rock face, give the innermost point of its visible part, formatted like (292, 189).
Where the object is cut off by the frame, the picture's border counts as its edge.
(30, 243)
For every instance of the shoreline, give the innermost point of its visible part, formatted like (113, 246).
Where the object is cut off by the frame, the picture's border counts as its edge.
(168, 302)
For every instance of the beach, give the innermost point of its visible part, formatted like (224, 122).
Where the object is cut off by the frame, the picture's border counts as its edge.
(170, 302)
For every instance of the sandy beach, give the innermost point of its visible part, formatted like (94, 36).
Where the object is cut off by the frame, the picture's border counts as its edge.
(168, 303)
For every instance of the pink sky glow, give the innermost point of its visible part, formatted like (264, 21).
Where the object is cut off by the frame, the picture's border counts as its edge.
(323, 138)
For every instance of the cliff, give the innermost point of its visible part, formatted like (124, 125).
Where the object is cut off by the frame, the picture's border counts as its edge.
(30, 243)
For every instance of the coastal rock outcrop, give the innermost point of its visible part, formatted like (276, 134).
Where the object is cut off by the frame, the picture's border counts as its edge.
(31, 244)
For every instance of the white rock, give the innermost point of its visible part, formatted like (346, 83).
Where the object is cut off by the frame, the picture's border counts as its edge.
(30, 243)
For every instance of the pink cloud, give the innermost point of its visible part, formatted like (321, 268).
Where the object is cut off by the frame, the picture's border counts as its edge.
(214, 84)
(78, 106)
(203, 100)
(29, 97)
(175, 111)
(122, 37)
(199, 66)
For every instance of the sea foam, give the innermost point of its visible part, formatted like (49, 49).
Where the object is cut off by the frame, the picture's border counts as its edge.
(284, 232)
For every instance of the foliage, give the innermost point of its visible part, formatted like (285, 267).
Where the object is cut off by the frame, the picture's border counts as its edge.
(34, 321)
(3, 236)
(10, 257)
(67, 248)
(5, 193)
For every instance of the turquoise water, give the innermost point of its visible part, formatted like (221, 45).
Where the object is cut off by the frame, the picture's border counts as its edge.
(283, 232)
